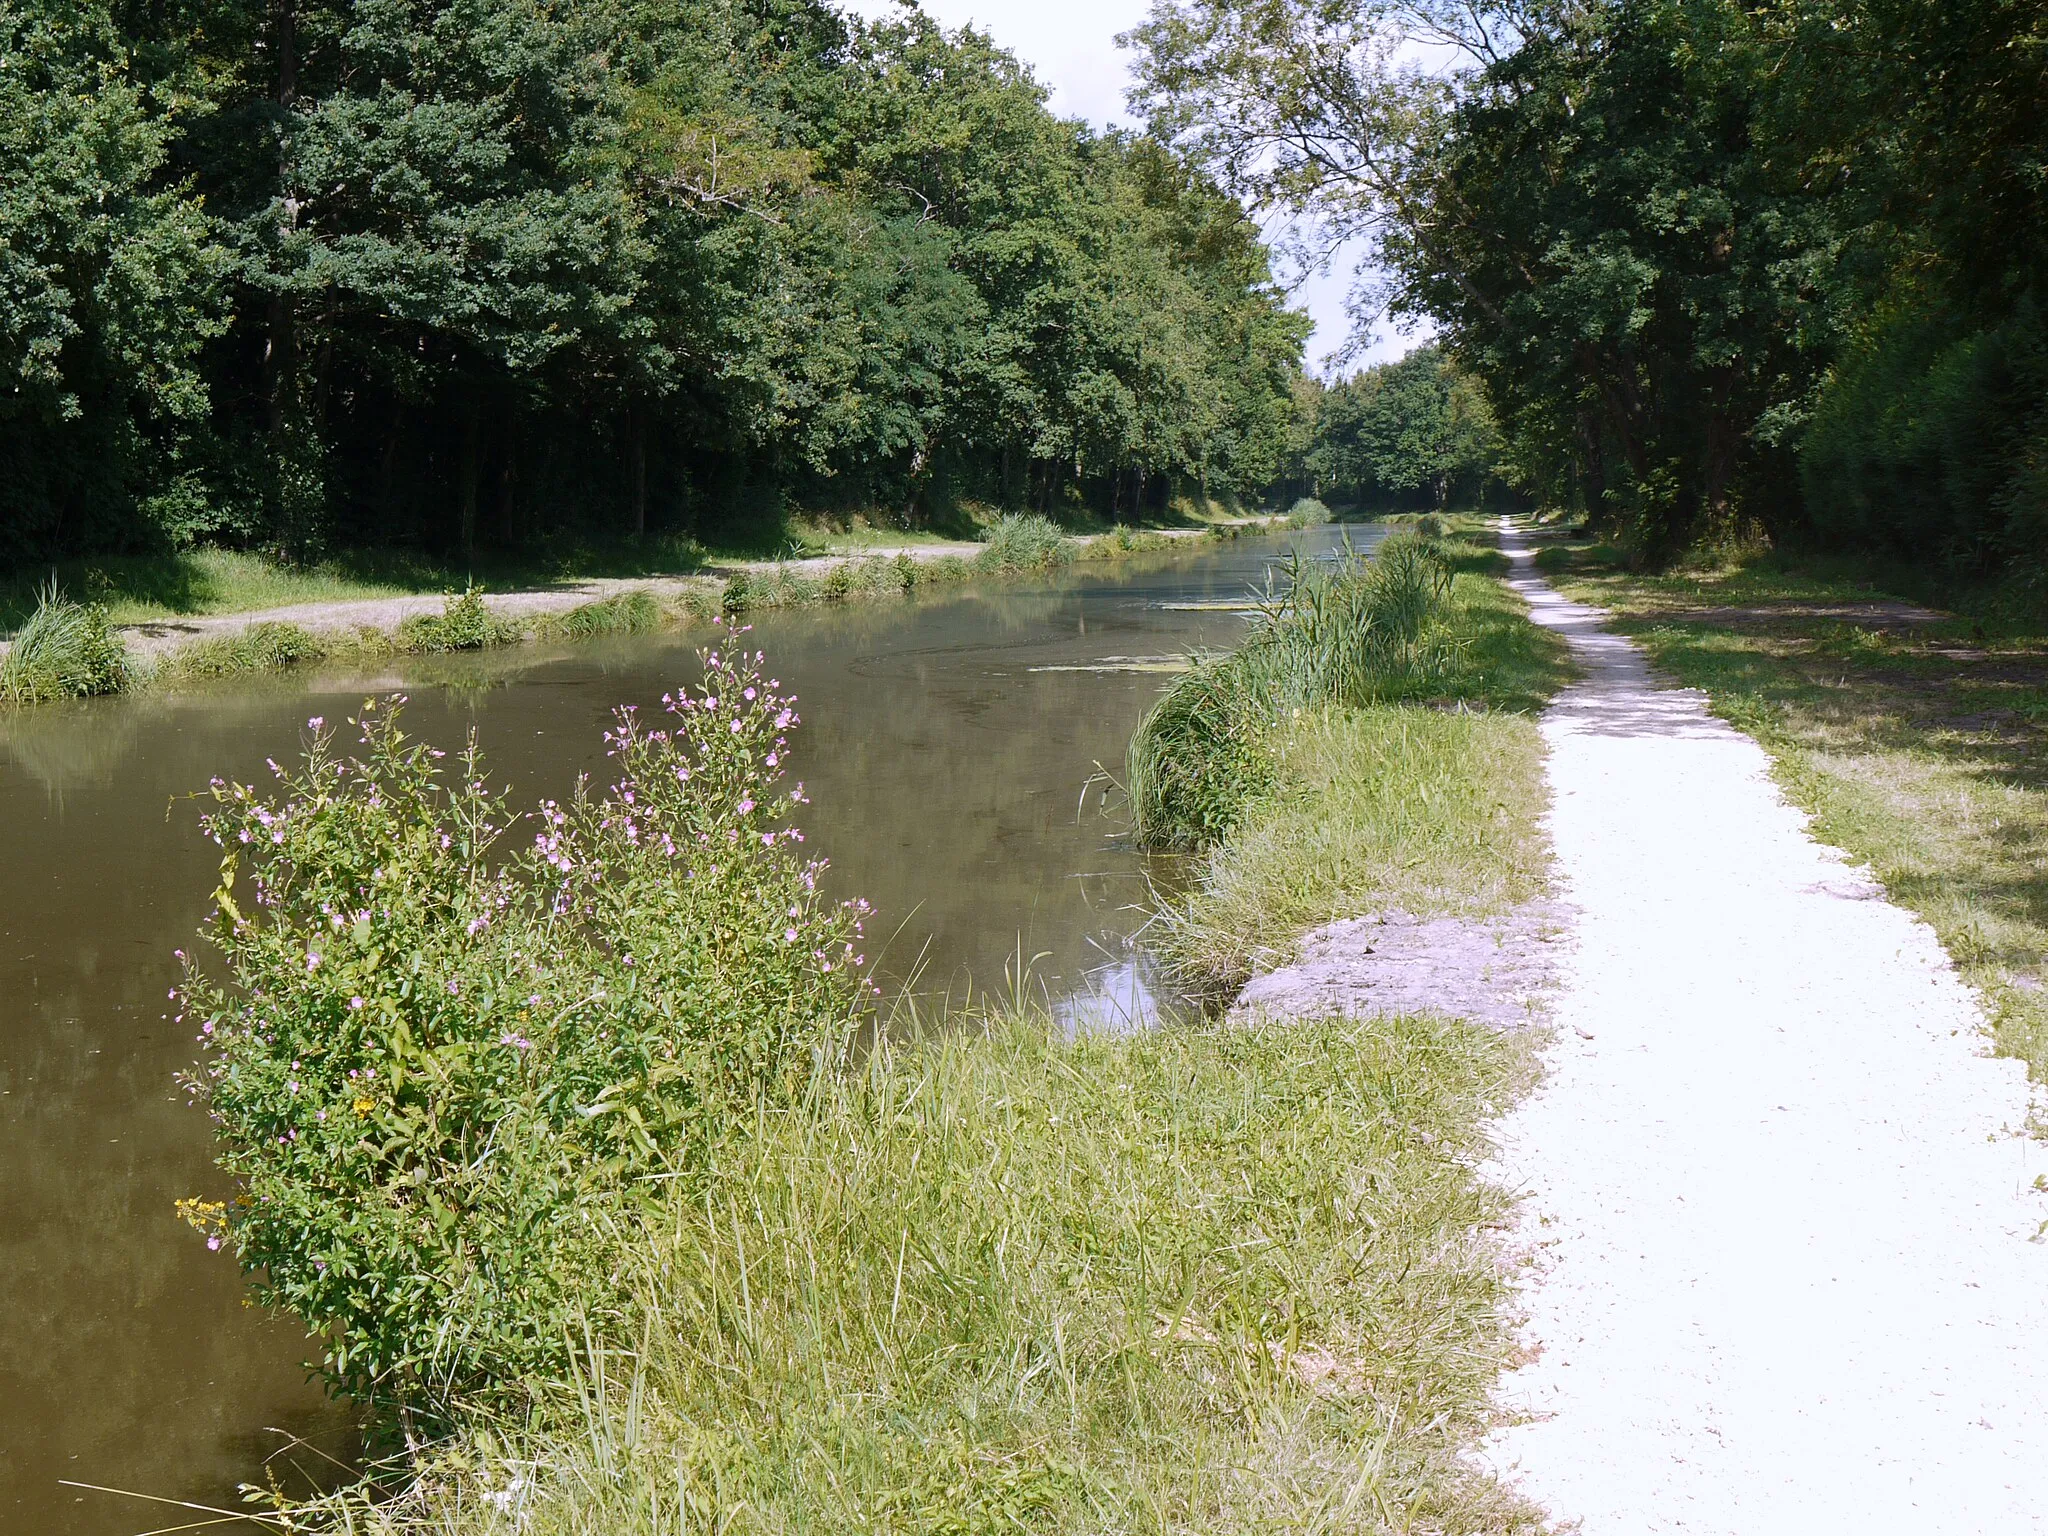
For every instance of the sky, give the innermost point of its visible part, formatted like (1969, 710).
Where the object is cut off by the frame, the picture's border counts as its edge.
(1071, 47)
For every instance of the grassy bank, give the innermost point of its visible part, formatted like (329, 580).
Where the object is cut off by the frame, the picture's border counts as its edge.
(1918, 740)
(1416, 783)
(1205, 1280)
(202, 583)
(984, 1277)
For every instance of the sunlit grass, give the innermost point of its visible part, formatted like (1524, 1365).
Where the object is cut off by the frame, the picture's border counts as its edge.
(1198, 1280)
(1388, 806)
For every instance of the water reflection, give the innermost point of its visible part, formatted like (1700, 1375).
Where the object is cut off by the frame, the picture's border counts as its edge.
(946, 744)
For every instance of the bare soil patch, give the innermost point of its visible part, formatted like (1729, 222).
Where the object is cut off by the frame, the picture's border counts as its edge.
(1500, 970)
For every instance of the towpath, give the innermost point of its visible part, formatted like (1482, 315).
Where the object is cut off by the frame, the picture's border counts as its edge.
(1786, 1279)
(152, 638)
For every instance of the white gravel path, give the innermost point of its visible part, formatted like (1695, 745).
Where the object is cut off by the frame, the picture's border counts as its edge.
(1783, 1279)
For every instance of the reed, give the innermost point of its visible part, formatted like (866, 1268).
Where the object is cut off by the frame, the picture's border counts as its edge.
(63, 650)
(1024, 541)
(1348, 631)
(624, 613)
(259, 648)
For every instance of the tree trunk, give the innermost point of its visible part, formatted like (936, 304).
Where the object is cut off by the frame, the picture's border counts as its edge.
(278, 320)
(387, 461)
(508, 479)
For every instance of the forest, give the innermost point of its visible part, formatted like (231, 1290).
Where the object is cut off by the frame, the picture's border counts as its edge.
(1725, 271)
(308, 275)
(304, 275)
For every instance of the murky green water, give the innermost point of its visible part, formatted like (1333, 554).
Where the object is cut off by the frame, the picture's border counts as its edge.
(945, 746)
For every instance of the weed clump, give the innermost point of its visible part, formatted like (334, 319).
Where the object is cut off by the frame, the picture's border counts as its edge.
(625, 613)
(1024, 541)
(260, 647)
(64, 650)
(464, 624)
(444, 1045)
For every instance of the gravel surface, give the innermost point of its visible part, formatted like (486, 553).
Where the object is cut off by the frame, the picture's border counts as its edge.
(1498, 969)
(1781, 1219)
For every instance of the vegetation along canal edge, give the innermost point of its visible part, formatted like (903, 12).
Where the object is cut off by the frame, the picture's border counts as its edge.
(573, 1168)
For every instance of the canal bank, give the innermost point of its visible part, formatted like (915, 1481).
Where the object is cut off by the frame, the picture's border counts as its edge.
(945, 745)
(1223, 1276)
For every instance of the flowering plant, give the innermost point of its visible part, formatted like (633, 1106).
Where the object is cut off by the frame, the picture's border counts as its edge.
(441, 1042)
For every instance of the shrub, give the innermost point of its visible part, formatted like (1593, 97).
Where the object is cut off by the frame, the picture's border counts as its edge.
(905, 571)
(838, 583)
(441, 1043)
(1308, 513)
(64, 650)
(464, 624)
(738, 595)
(1024, 541)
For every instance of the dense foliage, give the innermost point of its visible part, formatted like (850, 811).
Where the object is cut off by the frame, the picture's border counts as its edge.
(1416, 432)
(1720, 268)
(304, 273)
(445, 1045)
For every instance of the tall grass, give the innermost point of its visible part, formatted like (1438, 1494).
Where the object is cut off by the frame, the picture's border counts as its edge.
(1024, 541)
(63, 650)
(1345, 631)
(1390, 806)
(259, 648)
(624, 613)
(1203, 1280)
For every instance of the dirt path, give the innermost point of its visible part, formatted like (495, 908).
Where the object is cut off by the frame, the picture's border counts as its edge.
(1784, 1282)
(152, 638)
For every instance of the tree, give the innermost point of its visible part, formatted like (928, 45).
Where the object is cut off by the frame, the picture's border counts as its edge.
(110, 286)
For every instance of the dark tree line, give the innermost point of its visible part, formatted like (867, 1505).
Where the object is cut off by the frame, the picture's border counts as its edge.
(1719, 264)
(300, 273)
(1415, 433)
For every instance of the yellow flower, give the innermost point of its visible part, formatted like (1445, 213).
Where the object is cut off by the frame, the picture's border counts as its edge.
(364, 1106)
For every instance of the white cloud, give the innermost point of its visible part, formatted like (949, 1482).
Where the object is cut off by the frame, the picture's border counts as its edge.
(1071, 47)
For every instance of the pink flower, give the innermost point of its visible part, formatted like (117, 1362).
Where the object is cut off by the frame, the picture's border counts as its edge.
(312, 962)
(355, 1002)
(789, 935)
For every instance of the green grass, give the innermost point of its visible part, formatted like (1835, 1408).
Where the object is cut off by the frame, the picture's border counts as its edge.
(627, 613)
(62, 650)
(1420, 621)
(1024, 541)
(1921, 749)
(1201, 1280)
(1393, 806)
(1430, 803)
(259, 648)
